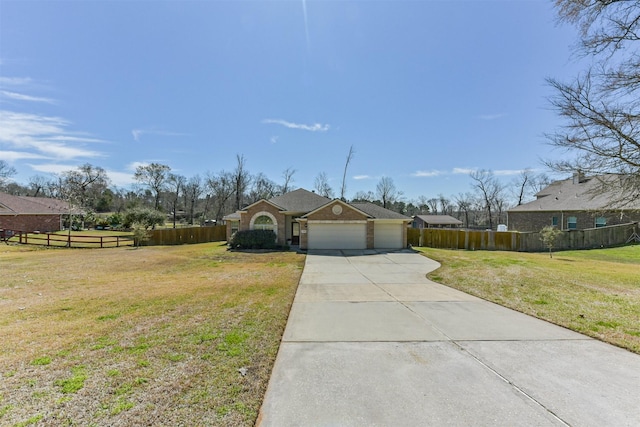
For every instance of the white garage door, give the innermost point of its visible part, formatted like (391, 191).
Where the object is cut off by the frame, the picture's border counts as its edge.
(387, 236)
(337, 236)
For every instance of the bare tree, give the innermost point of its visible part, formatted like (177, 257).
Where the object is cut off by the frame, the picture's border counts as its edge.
(37, 185)
(192, 192)
(322, 187)
(343, 188)
(601, 107)
(6, 172)
(465, 204)
(287, 175)
(433, 205)
(364, 196)
(241, 180)
(222, 188)
(423, 206)
(445, 205)
(387, 192)
(84, 186)
(490, 191)
(175, 188)
(154, 176)
(526, 184)
(262, 188)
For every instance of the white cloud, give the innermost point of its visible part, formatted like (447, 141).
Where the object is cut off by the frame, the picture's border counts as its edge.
(134, 165)
(316, 127)
(121, 179)
(12, 156)
(274, 139)
(15, 81)
(44, 136)
(360, 177)
(491, 116)
(463, 171)
(54, 168)
(507, 172)
(22, 97)
(427, 174)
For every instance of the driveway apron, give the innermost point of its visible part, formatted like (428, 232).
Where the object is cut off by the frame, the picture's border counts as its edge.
(370, 341)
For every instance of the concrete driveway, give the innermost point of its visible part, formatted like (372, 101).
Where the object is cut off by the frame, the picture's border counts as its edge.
(371, 342)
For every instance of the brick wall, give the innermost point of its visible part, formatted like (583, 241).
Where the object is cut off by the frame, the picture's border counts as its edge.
(263, 206)
(535, 221)
(30, 223)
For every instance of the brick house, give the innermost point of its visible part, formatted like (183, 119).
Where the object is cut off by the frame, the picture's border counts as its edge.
(436, 221)
(21, 213)
(573, 204)
(310, 221)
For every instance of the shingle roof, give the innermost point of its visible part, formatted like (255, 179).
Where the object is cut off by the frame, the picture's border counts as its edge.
(378, 212)
(568, 195)
(14, 205)
(300, 200)
(439, 219)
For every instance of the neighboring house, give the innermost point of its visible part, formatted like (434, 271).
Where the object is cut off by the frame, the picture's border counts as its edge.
(572, 204)
(310, 221)
(436, 221)
(21, 213)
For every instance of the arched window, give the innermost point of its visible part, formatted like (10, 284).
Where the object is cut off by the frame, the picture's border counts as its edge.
(263, 222)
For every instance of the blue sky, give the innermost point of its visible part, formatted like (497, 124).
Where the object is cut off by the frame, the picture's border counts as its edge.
(425, 91)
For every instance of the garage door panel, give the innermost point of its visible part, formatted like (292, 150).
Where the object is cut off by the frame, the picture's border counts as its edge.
(337, 236)
(387, 236)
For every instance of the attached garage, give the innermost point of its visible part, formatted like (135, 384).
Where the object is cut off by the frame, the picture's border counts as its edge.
(333, 235)
(388, 235)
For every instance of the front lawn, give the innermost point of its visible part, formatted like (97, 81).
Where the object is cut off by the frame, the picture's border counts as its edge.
(595, 292)
(179, 335)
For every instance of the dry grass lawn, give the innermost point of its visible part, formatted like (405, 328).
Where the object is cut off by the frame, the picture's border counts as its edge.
(595, 292)
(150, 336)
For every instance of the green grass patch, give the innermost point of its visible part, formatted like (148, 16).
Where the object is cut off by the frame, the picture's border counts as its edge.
(74, 383)
(112, 316)
(30, 421)
(41, 361)
(595, 292)
(5, 409)
(167, 328)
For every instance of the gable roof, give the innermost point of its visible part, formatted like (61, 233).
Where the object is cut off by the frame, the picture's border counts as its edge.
(300, 200)
(378, 212)
(576, 195)
(439, 219)
(337, 202)
(23, 205)
(307, 202)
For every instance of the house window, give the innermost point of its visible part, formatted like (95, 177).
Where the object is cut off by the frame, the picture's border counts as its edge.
(601, 221)
(572, 223)
(234, 226)
(263, 222)
(554, 221)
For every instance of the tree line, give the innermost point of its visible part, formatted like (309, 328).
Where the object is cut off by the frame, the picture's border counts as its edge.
(207, 199)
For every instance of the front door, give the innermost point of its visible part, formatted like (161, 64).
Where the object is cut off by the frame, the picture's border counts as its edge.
(295, 233)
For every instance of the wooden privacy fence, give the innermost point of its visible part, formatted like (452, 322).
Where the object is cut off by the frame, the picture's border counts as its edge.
(602, 237)
(179, 236)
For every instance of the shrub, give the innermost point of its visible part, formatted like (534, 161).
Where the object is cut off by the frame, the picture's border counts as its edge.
(254, 239)
(147, 218)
